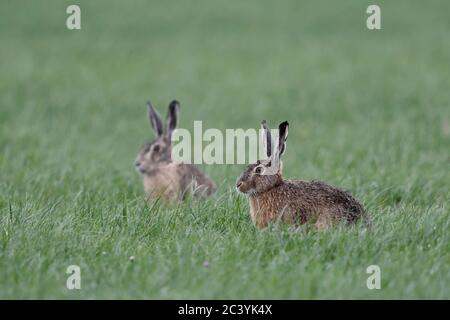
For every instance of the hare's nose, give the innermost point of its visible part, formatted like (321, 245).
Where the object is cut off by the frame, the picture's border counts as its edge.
(238, 184)
(137, 164)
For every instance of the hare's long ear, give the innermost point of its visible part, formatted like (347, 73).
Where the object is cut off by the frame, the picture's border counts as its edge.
(172, 117)
(155, 119)
(283, 129)
(266, 138)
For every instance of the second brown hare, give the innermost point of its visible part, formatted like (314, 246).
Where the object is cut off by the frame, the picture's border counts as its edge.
(164, 178)
(273, 198)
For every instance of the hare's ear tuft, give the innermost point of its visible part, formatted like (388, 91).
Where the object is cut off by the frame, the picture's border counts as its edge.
(266, 138)
(172, 117)
(283, 129)
(155, 119)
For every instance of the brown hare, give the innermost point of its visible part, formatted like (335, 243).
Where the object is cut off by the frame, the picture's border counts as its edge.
(273, 198)
(163, 178)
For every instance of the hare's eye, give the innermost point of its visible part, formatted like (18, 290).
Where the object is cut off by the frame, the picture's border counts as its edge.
(258, 170)
(156, 148)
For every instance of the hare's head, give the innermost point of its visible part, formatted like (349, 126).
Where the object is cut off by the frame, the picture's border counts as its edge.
(265, 174)
(159, 150)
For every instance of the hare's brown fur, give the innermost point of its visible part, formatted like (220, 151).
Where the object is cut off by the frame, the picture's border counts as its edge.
(274, 199)
(164, 178)
(173, 182)
(295, 201)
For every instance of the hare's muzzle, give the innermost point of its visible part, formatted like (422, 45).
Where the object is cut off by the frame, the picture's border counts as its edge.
(138, 167)
(240, 186)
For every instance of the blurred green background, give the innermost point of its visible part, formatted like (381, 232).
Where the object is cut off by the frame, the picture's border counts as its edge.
(368, 111)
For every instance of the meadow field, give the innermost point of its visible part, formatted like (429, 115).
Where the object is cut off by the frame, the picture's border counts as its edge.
(369, 111)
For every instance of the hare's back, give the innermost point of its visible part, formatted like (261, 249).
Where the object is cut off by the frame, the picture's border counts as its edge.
(319, 194)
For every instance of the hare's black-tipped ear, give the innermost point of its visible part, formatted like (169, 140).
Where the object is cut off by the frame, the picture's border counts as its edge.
(172, 117)
(266, 138)
(155, 119)
(283, 129)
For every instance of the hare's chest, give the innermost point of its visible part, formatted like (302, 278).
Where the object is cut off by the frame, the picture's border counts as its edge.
(164, 184)
(270, 207)
(263, 210)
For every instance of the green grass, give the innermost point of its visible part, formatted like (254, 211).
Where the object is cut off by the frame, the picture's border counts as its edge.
(369, 111)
